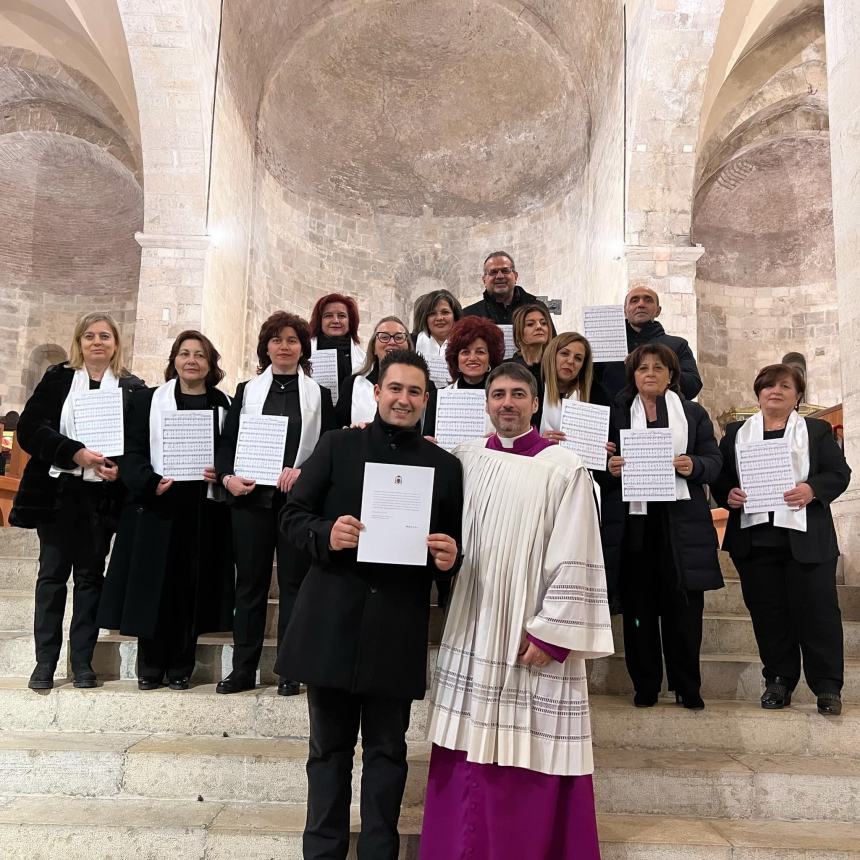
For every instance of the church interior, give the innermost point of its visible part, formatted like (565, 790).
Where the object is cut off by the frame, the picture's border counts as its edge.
(199, 164)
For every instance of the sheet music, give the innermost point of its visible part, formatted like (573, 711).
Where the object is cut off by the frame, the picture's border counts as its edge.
(460, 415)
(510, 346)
(99, 422)
(188, 443)
(260, 447)
(586, 426)
(766, 473)
(648, 474)
(395, 513)
(324, 364)
(606, 331)
(440, 376)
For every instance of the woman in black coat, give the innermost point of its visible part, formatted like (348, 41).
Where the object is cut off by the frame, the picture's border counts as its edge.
(170, 576)
(282, 387)
(669, 550)
(70, 495)
(787, 558)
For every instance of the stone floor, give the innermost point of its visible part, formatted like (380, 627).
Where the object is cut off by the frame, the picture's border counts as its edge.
(116, 773)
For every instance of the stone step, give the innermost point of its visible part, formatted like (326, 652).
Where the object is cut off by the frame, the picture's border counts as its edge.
(733, 634)
(18, 573)
(19, 543)
(628, 781)
(724, 676)
(118, 706)
(37, 828)
(729, 601)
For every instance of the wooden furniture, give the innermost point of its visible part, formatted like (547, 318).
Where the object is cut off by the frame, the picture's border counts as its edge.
(10, 481)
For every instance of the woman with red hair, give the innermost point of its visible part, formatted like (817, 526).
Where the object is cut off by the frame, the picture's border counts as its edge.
(475, 347)
(334, 325)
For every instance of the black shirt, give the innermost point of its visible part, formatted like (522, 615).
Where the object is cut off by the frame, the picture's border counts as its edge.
(283, 399)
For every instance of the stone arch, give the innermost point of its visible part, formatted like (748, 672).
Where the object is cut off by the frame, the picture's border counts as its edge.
(39, 360)
(420, 273)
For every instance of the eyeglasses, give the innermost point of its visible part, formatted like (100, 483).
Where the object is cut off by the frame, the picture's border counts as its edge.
(491, 273)
(384, 337)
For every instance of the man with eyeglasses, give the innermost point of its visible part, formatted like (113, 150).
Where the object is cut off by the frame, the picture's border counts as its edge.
(502, 296)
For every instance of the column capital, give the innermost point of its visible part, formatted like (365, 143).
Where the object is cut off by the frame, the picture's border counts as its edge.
(663, 253)
(174, 241)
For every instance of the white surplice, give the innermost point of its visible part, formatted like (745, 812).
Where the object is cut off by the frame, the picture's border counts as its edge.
(533, 563)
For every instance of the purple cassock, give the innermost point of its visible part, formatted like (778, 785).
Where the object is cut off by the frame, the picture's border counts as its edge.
(489, 812)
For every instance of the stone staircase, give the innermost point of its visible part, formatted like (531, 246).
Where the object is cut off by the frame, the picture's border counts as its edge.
(116, 773)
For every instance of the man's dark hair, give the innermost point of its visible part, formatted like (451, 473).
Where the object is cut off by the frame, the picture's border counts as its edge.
(407, 357)
(501, 254)
(514, 371)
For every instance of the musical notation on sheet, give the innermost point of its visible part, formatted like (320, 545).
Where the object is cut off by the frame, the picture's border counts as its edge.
(648, 474)
(99, 421)
(460, 415)
(586, 426)
(606, 331)
(260, 448)
(188, 443)
(766, 474)
(324, 364)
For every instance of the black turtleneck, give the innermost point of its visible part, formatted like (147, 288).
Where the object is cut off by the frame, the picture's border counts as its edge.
(466, 386)
(343, 344)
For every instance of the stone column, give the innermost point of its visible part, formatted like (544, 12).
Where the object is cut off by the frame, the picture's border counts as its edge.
(669, 270)
(842, 26)
(170, 298)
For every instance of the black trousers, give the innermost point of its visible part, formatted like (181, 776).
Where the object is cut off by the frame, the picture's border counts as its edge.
(172, 651)
(661, 618)
(795, 613)
(335, 717)
(76, 543)
(256, 538)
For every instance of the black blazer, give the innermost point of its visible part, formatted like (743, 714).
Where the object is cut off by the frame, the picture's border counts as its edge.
(39, 435)
(829, 475)
(357, 626)
(691, 526)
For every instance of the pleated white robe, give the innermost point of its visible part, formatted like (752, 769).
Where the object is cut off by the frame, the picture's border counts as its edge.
(533, 564)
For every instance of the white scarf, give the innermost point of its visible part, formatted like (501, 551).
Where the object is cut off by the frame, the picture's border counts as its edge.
(310, 400)
(164, 400)
(356, 353)
(678, 426)
(551, 417)
(797, 436)
(428, 347)
(363, 409)
(80, 385)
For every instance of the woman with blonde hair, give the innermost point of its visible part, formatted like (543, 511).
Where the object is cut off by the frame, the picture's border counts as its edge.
(69, 494)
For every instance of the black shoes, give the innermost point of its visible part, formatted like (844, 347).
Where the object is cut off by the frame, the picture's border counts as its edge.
(777, 694)
(177, 683)
(149, 683)
(645, 700)
(42, 677)
(289, 688)
(83, 676)
(692, 702)
(236, 683)
(829, 704)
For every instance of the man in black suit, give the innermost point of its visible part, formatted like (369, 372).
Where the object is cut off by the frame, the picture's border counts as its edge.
(502, 296)
(358, 633)
(641, 308)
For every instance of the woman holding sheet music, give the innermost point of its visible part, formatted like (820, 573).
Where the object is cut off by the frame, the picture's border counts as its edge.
(787, 558)
(283, 387)
(70, 495)
(669, 548)
(435, 315)
(170, 576)
(334, 325)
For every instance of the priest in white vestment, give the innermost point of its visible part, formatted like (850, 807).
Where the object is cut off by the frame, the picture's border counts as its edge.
(510, 770)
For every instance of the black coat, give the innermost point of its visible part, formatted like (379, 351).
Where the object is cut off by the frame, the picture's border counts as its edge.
(611, 373)
(500, 314)
(691, 526)
(39, 435)
(157, 535)
(357, 626)
(829, 475)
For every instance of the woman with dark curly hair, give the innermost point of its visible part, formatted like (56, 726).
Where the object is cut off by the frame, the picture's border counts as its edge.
(283, 386)
(334, 325)
(475, 347)
(170, 576)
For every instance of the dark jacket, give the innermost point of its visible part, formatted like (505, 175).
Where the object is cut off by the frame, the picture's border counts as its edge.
(611, 373)
(690, 524)
(39, 435)
(500, 314)
(158, 535)
(225, 451)
(358, 626)
(829, 475)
